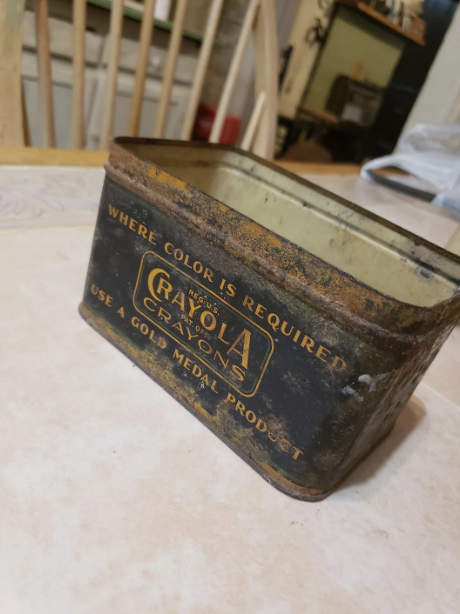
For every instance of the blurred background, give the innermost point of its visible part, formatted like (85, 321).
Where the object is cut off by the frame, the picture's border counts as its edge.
(351, 76)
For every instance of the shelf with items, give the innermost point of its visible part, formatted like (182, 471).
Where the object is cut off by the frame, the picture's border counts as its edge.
(416, 37)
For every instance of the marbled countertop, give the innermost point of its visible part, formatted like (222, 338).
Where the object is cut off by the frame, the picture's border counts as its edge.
(115, 499)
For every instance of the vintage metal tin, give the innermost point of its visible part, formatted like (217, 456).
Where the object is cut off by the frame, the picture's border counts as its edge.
(294, 324)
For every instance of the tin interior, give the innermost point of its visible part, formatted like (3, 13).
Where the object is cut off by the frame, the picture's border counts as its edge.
(378, 255)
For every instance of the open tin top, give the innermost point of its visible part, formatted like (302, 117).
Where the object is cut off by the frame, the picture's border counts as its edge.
(361, 305)
(388, 265)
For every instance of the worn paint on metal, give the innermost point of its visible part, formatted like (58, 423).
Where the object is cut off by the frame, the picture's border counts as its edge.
(300, 365)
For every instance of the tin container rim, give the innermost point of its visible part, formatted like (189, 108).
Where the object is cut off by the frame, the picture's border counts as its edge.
(391, 316)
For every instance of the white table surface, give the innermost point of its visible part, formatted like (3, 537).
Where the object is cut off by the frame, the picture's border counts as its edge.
(114, 499)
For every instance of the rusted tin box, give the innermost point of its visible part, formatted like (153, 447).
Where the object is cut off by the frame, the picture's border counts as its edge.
(294, 324)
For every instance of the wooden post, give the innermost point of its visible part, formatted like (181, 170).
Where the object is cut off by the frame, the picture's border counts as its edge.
(141, 68)
(108, 110)
(44, 72)
(25, 120)
(78, 93)
(266, 48)
(234, 70)
(170, 69)
(254, 121)
(11, 119)
(202, 67)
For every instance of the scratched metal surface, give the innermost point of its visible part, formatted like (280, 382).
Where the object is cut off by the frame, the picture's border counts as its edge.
(301, 368)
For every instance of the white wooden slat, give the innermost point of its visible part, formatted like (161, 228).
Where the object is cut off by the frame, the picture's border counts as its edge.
(116, 25)
(234, 70)
(266, 80)
(78, 77)
(254, 121)
(170, 69)
(141, 68)
(203, 62)
(44, 72)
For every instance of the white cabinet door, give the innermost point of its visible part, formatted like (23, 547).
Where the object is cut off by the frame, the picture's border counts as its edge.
(178, 105)
(129, 50)
(95, 87)
(61, 39)
(62, 98)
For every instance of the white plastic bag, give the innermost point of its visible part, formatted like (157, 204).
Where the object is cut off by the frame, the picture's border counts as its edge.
(430, 153)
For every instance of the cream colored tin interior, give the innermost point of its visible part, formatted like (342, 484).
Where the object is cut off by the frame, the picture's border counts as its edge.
(383, 258)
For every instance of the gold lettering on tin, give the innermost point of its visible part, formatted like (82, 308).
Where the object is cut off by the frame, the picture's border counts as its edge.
(311, 345)
(256, 422)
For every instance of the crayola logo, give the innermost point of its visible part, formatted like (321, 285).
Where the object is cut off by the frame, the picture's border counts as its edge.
(233, 346)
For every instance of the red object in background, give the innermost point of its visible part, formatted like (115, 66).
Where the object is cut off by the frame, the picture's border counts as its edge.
(203, 125)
